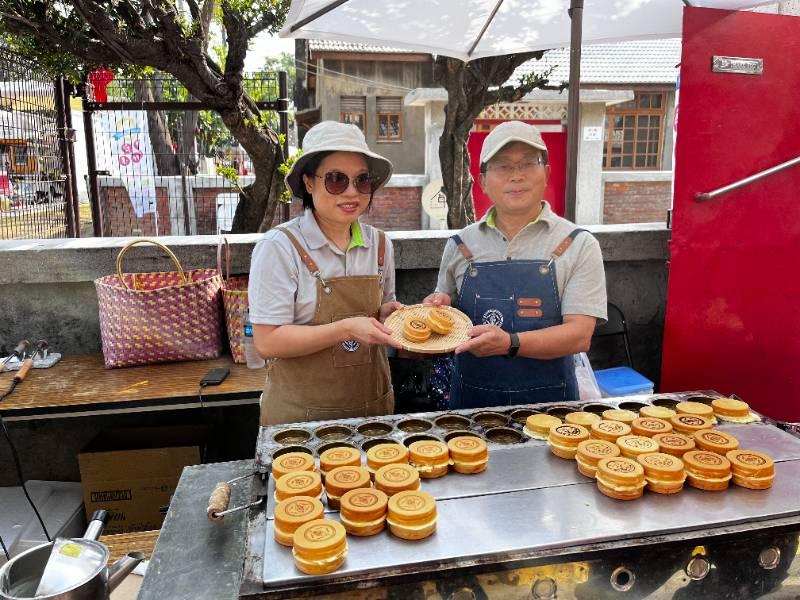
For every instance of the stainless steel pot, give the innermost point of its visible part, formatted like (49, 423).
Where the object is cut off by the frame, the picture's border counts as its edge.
(67, 569)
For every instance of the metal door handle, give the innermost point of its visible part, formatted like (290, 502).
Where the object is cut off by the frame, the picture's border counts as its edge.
(702, 196)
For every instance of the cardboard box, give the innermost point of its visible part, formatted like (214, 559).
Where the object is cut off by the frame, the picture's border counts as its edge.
(132, 473)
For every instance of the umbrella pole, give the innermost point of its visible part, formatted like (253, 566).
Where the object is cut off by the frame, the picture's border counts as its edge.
(574, 107)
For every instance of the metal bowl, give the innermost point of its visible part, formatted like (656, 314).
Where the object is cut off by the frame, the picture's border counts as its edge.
(460, 433)
(521, 415)
(333, 433)
(632, 405)
(374, 428)
(288, 449)
(420, 437)
(665, 402)
(490, 419)
(330, 445)
(367, 444)
(505, 435)
(560, 411)
(291, 436)
(414, 425)
(596, 408)
(451, 422)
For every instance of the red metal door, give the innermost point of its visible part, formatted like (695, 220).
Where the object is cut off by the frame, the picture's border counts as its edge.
(732, 320)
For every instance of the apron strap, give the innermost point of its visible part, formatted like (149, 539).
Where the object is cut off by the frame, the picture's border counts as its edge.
(566, 243)
(462, 247)
(304, 256)
(381, 250)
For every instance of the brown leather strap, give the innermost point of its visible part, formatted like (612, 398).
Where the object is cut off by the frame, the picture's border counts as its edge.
(566, 243)
(304, 256)
(381, 248)
(462, 247)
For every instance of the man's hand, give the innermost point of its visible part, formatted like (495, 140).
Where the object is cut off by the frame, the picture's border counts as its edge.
(437, 299)
(388, 308)
(487, 340)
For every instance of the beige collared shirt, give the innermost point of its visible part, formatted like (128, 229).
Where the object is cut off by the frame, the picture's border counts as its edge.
(283, 291)
(580, 275)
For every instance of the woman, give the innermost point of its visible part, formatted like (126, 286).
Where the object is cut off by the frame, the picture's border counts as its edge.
(321, 286)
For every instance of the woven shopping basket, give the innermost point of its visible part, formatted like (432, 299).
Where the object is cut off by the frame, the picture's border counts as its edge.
(234, 302)
(160, 317)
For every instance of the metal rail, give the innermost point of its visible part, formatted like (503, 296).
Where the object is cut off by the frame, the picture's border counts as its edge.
(703, 196)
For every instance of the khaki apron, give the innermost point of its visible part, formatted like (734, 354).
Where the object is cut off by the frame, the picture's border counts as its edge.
(347, 380)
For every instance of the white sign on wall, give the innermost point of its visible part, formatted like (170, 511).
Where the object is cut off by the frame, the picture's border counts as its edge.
(592, 134)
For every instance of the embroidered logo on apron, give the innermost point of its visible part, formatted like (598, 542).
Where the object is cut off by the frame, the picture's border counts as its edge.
(493, 317)
(350, 345)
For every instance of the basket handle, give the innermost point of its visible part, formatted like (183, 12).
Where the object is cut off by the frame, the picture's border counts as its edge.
(227, 274)
(166, 250)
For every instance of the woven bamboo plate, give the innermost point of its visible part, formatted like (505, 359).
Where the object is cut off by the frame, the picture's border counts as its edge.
(436, 344)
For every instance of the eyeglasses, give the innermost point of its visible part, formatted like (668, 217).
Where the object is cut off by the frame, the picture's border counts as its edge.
(337, 182)
(527, 167)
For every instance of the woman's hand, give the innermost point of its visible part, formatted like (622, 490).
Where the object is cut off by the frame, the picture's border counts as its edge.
(437, 299)
(368, 330)
(388, 308)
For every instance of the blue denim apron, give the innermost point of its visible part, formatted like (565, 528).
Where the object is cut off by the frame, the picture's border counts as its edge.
(517, 296)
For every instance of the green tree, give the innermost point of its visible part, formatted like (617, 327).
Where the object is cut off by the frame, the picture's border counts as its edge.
(171, 36)
(284, 62)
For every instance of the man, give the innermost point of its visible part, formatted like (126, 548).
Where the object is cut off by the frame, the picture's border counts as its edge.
(532, 283)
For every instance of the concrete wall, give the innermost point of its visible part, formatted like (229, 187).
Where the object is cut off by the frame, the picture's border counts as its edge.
(338, 78)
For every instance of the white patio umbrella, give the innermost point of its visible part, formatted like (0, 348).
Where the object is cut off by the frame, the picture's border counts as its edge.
(472, 29)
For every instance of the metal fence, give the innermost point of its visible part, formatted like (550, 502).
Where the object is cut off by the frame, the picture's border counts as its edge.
(36, 193)
(162, 163)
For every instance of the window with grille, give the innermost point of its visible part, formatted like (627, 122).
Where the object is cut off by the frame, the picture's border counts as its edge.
(634, 135)
(390, 124)
(353, 110)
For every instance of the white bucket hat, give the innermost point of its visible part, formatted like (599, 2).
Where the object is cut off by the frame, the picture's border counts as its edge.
(508, 132)
(331, 136)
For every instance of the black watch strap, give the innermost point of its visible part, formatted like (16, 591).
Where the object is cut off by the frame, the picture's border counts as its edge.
(514, 348)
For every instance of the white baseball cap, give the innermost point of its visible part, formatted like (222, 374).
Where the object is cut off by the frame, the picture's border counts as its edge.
(508, 132)
(332, 136)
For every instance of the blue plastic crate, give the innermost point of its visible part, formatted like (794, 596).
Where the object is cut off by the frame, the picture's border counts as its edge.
(622, 381)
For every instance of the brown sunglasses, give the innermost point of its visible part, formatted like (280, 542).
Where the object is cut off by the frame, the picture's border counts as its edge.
(337, 182)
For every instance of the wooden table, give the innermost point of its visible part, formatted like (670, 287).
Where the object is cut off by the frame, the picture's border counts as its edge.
(80, 386)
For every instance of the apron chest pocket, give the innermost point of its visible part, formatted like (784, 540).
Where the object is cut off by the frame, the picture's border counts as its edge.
(494, 311)
(350, 353)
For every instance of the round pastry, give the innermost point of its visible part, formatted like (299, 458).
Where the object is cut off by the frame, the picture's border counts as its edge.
(619, 414)
(690, 424)
(584, 419)
(294, 512)
(674, 444)
(343, 479)
(292, 461)
(430, 458)
(440, 320)
(341, 456)
(649, 426)
(392, 479)
(412, 515)
(657, 412)
(298, 483)
(539, 426)
(620, 478)
(750, 469)
(469, 454)
(363, 511)
(730, 409)
(591, 451)
(564, 439)
(610, 431)
(416, 330)
(706, 470)
(636, 445)
(695, 408)
(712, 440)
(386, 454)
(664, 473)
(320, 547)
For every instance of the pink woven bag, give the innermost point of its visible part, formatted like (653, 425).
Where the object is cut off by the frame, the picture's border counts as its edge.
(234, 303)
(161, 317)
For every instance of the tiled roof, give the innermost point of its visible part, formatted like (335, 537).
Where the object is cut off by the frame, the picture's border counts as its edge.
(634, 62)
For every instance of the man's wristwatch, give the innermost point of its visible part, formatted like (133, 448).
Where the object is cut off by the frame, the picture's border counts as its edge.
(514, 348)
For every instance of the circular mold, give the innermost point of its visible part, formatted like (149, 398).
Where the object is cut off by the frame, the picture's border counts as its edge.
(367, 444)
(504, 435)
(286, 437)
(414, 425)
(451, 422)
(419, 437)
(333, 433)
(490, 419)
(460, 433)
(328, 446)
(374, 429)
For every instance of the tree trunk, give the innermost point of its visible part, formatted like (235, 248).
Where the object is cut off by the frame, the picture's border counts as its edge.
(457, 181)
(160, 139)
